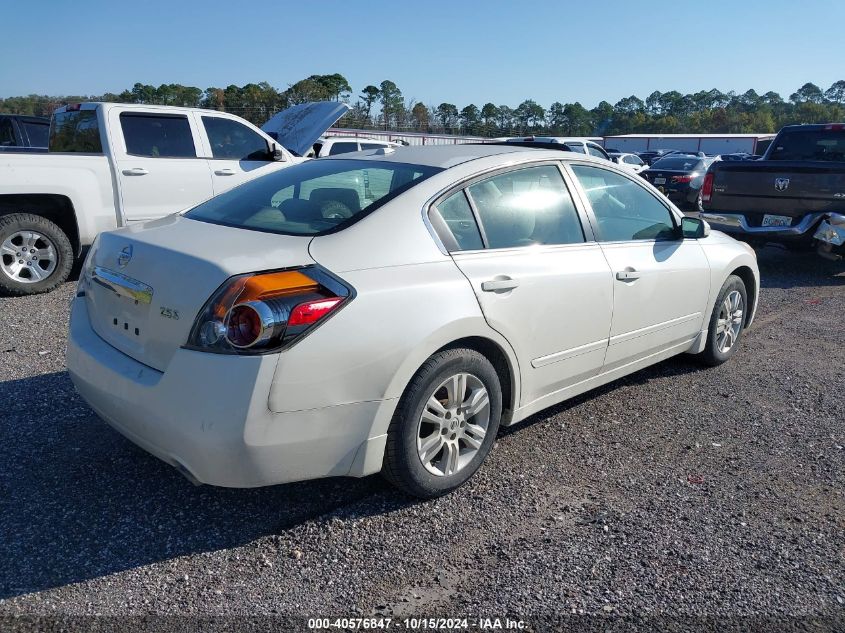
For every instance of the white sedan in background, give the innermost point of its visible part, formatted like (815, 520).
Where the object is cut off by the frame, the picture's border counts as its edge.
(388, 311)
(631, 162)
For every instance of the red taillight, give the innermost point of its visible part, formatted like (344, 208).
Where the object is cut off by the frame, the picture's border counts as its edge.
(256, 313)
(707, 188)
(313, 311)
(681, 178)
(838, 127)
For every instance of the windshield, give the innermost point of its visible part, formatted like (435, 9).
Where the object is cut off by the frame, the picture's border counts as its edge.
(312, 198)
(687, 163)
(828, 145)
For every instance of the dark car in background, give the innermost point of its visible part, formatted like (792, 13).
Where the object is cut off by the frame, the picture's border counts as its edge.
(653, 155)
(679, 177)
(22, 133)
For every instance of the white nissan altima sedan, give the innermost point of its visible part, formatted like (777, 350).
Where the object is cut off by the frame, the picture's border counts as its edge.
(388, 311)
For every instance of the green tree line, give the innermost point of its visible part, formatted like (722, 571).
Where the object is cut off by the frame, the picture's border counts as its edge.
(383, 106)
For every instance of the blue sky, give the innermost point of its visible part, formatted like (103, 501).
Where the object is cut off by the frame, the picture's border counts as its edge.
(435, 51)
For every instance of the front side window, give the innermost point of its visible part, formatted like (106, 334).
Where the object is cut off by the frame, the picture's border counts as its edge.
(343, 148)
(312, 198)
(234, 141)
(623, 209)
(526, 206)
(75, 131)
(157, 136)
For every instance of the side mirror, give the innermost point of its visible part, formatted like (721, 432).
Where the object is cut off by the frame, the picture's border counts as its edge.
(694, 228)
(278, 154)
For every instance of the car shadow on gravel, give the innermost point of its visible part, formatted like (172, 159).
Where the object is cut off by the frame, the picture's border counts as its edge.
(781, 268)
(79, 501)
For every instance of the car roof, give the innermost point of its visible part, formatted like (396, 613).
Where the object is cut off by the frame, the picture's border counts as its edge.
(446, 156)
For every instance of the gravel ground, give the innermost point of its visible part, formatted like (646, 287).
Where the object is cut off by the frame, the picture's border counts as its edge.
(703, 495)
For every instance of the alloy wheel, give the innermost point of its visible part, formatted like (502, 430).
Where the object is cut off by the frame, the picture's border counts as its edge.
(453, 424)
(28, 257)
(729, 322)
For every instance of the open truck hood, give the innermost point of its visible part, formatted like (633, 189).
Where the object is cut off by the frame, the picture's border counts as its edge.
(298, 127)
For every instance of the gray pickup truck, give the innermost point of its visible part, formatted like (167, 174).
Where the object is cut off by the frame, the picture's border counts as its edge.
(789, 196)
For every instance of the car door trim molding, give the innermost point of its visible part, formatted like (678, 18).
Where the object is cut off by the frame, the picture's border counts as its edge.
(569, 353)
(651, 329)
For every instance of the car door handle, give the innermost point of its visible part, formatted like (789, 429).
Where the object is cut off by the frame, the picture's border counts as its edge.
(224, 172)
(135, 171)
(499, 285)
(629, 274)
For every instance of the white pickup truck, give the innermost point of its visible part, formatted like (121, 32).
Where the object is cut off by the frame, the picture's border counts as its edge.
(112, 164)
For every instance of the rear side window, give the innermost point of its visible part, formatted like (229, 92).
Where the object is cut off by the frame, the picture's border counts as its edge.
(624, 210)
(455, 217)
(343, 148)
(372, 146)
(312, 198)
(234, 141)
(75, 131)
(38, 133)
(826, 145)
(157, 136)
(527, 206)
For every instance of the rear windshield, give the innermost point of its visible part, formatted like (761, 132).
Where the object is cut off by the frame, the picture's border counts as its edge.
(678, 164)
(313, 198)
(809, 145)
(76, 131)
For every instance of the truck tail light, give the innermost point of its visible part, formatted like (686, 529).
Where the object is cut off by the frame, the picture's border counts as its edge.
(707, 187)
(263, 312)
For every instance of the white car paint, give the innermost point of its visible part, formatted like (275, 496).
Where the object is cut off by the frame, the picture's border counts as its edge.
(348, 144)
(628, 161)
(322, 407)
(114, 187)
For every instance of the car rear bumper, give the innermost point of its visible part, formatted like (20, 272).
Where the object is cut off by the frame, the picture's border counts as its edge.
(207, 415)
(736, 223)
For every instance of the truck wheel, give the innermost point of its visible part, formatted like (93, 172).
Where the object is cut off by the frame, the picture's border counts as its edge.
(444, 425)
(35, 254)
(726, 322)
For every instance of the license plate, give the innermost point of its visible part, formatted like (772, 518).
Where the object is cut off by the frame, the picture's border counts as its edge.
(659, 181)
(776, 220)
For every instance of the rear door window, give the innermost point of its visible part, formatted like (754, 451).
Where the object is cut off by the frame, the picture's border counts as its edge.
(157, 136)
(231, 140)
(624, 210)
(372, 145)
(527, 206)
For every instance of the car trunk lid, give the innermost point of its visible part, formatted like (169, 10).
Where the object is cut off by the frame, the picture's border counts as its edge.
(149, 281)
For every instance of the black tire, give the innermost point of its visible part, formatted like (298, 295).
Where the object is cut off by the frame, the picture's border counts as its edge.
(712, 355)
(16, 222)
(402, 464)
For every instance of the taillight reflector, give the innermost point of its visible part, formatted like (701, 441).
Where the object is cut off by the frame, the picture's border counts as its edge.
(312, 311)
(707, 188)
